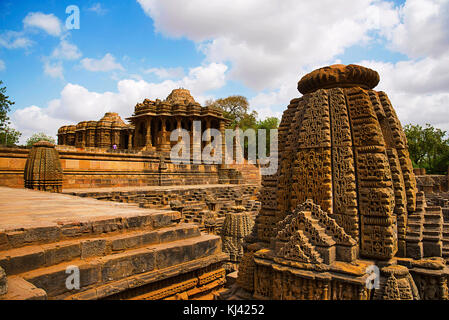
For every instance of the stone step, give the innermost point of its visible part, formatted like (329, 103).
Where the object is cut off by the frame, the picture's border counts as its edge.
(29, 258)
(433, 209)
(114, 267)
(68, 230)
(322, 235)
(202, 282)
(445, 252)
(20, 289)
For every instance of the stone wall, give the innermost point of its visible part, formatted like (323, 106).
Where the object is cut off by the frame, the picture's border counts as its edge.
(88, 169)
(250, 172)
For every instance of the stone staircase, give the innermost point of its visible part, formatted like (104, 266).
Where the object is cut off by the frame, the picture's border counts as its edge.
(426, 229)
(122, 257)
(445, 249)
(433, 232)
(415, 228)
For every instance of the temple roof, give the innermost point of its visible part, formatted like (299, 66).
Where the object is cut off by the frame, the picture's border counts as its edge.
(338, 76)
(180, 95)
(178, 103)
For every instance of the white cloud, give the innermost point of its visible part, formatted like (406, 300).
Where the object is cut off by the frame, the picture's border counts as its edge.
(54, 70)
(424, 29)
(167, 73)
(67, 51)
(47, 22)
(77, 103)
(107, 63)
(2, 65)
(269, 43)
(33, 119)
(14, 40)
(98, 9)
(417, 89)
(273, 103)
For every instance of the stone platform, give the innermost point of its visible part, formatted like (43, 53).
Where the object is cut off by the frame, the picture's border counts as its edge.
(122, 251)
(200, 204)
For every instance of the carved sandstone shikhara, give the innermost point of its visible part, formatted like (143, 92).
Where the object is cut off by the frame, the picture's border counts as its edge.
(344, 198)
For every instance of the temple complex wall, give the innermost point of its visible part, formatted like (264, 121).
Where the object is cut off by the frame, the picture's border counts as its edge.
(431, 183)
(96, 169)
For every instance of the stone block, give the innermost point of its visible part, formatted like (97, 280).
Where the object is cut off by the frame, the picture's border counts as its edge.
(414, 250)
(20, 289)
(119, 266)
(150, 238)
(328, 254)
(93, 248)
(124, 243)
(346, 253)
(432, 248)
(54, 280)
(22, 260)
(3, 282)
(55, 254)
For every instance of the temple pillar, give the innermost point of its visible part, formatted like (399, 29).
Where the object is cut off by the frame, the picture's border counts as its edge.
(130, 141)
(223, 143)
(196, 143)
(116, 138)
(209, 135)
(165, 143)
(148, 134)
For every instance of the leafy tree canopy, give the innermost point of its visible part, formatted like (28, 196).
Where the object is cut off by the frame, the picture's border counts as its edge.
(8, 135)
(38, 137)
(428, 148)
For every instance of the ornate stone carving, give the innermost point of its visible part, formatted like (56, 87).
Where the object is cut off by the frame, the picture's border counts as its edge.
(43, 169)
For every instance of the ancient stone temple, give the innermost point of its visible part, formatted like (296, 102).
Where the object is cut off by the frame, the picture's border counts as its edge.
(343, 208)
(105, 133)
(150, 128)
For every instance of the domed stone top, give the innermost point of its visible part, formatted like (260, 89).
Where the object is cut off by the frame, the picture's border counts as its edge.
(338, 76)
(44, 143)
(113, 118)
(178, 95)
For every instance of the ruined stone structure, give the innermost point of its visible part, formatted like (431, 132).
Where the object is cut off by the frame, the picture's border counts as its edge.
(201, 204)
(121, 251)
(236, 226)
(105, 133)
(431, 184)
(43, 169)
(150, 128)
(225, 210)
(344, 197)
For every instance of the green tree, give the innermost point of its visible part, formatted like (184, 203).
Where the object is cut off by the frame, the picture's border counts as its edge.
(38, 137)
(236, 109)
(428, 147)
(267, 124)
(8, 135)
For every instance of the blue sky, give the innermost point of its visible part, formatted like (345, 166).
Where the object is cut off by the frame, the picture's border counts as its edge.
(125, 51)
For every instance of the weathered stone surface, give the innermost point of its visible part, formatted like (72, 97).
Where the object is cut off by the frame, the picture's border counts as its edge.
(20, 289)
(43, 169)
(344, 192)
(3, 282)
(116, 248)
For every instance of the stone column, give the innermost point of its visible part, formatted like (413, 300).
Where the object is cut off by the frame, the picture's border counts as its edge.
(196, 144)
(130, 140)
(148, 135)
(223, 143)
(165, 145)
